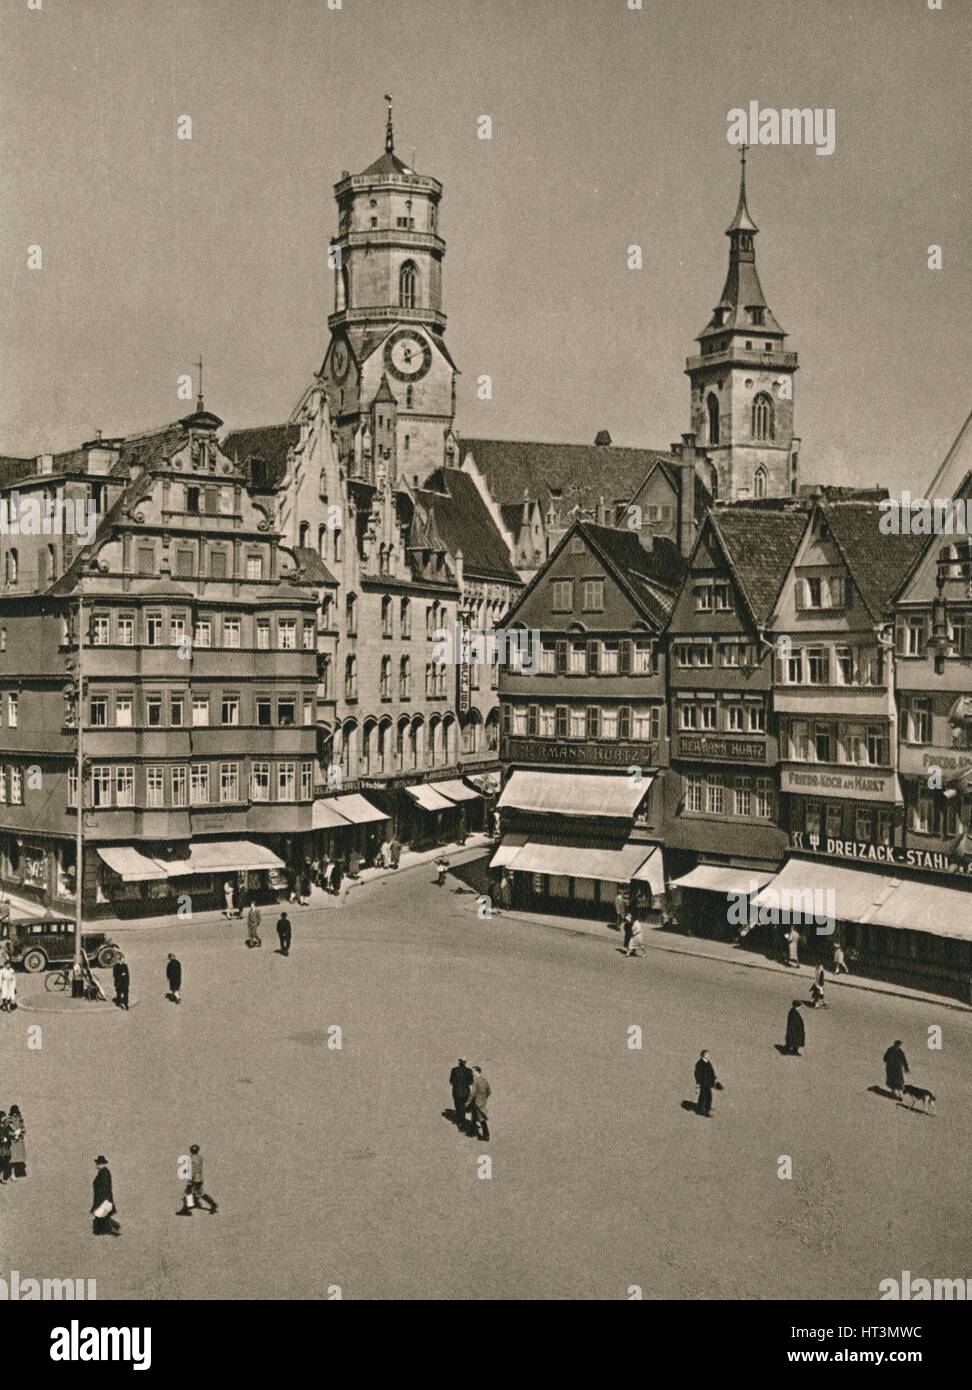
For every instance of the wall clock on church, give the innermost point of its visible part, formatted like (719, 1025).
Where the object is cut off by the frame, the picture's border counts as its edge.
(407, 356)
(340, 360)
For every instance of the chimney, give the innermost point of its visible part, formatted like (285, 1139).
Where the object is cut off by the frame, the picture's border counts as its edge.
(459, 569)
(686, 453)
(602, 439)
(601, 512)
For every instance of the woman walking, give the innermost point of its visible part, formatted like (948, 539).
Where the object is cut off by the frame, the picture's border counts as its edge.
(18, 1145)
(4, 1148)
(8, 988)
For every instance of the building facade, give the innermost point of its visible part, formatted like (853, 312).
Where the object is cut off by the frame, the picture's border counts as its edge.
(199, 680)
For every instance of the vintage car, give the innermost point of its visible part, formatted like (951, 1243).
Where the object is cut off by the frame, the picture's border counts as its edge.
(37, 942)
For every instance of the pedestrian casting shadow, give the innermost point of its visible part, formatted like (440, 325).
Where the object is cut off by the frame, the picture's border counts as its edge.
(692, 1106)
(883, 1091)
(453, 1119)
(784, 1051)
(914, 1109)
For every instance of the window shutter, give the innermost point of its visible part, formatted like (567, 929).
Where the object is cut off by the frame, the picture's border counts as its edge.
(561, 658)
(624, 722)
(533, 719)
(561, 721)
(899, 637)
(624, 658)
(593, 652)
(801, 594)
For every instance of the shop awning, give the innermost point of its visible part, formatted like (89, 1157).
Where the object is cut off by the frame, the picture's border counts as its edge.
(720, 878)
(131, 865)
(575, 794)
(509, 848)
(356, 808)
(222, 856)
(802, 886)
(455, 791)
(652, 872)
(325, 817)
(428, 798)
(569, 859)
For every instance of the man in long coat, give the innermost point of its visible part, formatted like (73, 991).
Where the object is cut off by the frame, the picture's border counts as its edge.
(796, 1034)
(895, 1069)
(173, 974)
(284, 933)
(122, 981)
(460, 1080)
(478, 1101)
(102, 1193)
(705, 1079)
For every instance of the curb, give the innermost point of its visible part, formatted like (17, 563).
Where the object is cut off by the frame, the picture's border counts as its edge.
(841, 982)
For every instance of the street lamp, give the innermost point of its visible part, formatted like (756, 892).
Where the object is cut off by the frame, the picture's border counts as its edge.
(954, 562)
(74, 695)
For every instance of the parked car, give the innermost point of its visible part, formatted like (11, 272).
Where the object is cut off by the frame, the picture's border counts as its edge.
(37, 942)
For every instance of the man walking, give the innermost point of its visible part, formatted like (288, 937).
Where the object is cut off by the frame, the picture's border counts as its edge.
(121, 978)
(103, 1203)
(895, 1069)
(253, 920)
(8, 988)
(705, 1079)
(194, 1193)
(460, 1080)
(796, 1034)
(395, 851)
(478, 1098)
(173, 973)
(284, 934)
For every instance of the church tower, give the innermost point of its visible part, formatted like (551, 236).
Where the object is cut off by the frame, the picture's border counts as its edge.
(387, 360)
(742, 380)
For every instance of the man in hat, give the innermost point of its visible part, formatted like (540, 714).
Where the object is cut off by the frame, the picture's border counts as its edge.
(478, 1098)
(460, 1080)
(173, 974)
(194, 1193)
(895, 1069)
(122, 982)
(284, 933)
(103, 1203)
(796, 1034)
(705, 1079)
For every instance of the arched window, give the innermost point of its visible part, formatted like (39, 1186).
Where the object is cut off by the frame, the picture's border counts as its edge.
(351, 615)
(762, 417)
(404, 678)
(406, 618)
(303, 535)
(386, 677)
(322, 541)
(386, 612)
(408, 285)
(759, 483)
(350, 678)
(337, 544)
(712, 407)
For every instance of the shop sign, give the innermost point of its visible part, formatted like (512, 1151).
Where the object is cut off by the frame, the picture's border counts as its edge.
(465, 687)
(870, 785)
(864, 851)
(720, 747)
(579, 752)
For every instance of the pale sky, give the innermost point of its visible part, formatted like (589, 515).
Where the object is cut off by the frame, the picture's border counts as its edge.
(609, 130)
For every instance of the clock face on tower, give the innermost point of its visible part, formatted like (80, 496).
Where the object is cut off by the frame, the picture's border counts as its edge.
(407, 356)
(340, 360)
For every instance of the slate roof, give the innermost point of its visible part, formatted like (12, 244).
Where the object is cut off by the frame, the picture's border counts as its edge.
(152, 447)
(877, 563)
(311, 569)
(760, 547)
(388, 163)
(460, 517)
(582, 472)
(270, 443)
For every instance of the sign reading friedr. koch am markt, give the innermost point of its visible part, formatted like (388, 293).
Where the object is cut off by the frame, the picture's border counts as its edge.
(873, 784)
(864, 851)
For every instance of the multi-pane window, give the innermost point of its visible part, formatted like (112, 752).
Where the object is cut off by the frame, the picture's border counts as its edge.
(308, 635)
(609, 723)
(254, 567)
(13, 710)
(384, 684)
(229, 782)
(709, 716)
(263, 634)
(264, 711)
(230, 711)
(178, 775)
(578, 659)
(862, 823)
(232, 632)
(722, 596)
(913, 636)
(200, 711)
(824, 742)
(199, 784)
(742, 798)
(562, 596)
(694, 793)
(735, 718)
(703, 655)
(153, 629)
(155, 787)
(884, 832)
(98, 711)
(818, 665)
(641, 664)
(578, 722)
(177, 630)
(918, 720)
(286, 781)
(306, 781)
(834, 819)
(610, 652)
(124, 705)
(793, 668)
(100, 630)
(260, 782)
(124, 786)
(16, 786)
(286, 711)
(350, 678)
(177, 708)
(287, 634)
(703, 598)
(715, 797)
(592, 600)
(756, 716)
(688, 717)
(548, 721)
(763, 807)
(548, 658)
(126, 629)
(878, 746)
(202, 635)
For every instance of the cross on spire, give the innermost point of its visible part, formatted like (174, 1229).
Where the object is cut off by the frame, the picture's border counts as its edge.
(389, 129)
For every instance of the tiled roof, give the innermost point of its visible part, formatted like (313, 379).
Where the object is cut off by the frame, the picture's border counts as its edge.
(583, 473)
(512, 514)
(270, 443)
(760, 547)
(703, 497)
(877, 562)
(387, 163)
(152, 447)
(311, 569)
(461, 519)
(13, 470)
(653, 574)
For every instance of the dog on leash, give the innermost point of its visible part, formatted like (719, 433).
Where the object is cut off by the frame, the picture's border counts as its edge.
(920, 1096)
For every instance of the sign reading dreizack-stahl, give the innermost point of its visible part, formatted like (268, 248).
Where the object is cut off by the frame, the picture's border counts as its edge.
(932, 861)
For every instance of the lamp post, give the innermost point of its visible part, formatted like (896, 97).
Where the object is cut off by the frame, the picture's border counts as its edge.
(74, 696)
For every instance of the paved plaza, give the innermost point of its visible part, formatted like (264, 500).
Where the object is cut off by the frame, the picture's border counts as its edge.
(337, 1167)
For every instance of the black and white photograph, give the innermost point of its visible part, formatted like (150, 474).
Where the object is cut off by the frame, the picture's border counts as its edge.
(486, 664)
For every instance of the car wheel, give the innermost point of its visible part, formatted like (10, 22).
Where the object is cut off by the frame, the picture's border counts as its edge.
(34, 962)
(108, 956)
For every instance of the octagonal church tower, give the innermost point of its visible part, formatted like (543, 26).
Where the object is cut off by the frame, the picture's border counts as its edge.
(388, 376)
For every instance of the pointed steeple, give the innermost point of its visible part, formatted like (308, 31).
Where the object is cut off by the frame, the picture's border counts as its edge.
(742, 304)
(742, 222)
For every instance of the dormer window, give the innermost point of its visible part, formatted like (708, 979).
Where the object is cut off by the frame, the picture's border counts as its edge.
(756, 313)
